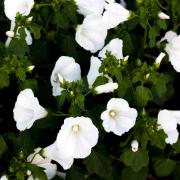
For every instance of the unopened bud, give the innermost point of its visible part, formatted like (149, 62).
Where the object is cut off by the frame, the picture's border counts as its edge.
(30, 68)
(10, 34)
(134, 145)
(162, 15)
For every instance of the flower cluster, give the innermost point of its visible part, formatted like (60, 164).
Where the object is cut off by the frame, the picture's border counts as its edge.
(115, 76)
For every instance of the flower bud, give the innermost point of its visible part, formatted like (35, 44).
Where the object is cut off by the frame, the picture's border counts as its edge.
(10, 34)
(134, 145)
(28, 172)
(106, 88)
(162, 15)
(30, 68)
(159, 59)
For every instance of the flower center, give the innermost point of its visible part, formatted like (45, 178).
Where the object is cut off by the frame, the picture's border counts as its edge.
(58, 78)
(112, 113)
(75, 128)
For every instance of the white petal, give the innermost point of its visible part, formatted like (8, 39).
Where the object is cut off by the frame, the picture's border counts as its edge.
(54, 153)
(86, 7)
(169, 36)
(172, 137)
(115, 46)
(92, 33)
(167, 121)
(114, 15)
(93, 73)
(23, 7)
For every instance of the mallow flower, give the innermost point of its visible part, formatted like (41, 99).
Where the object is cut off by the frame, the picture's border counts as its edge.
(93, 73)
(91, 34)
(168, 120)
(56, 153)
(27, 110)
(66, 69)
(44, 162)
(86, 7)
(115, 46)
(77, 136)
(11, 35)
(119, 117)
(4, 177)
(12, 7)
(173, 49)
(114, 14)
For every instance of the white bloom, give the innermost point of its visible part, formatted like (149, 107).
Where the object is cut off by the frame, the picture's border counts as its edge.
(159, 58)
(77, 137)
(49, 168)
(169, 36)
(162, 15)
(86, 7)
(119, 117)
(3, 177)
(55, 153)
(12, 7)
(168, 121)
(27, 110)
(11, 34)
(65, 69)
(106, 88)
(93, 73)
(134, 145)
(92, 33)
(114, 15)
(115, 46)
(173, 49)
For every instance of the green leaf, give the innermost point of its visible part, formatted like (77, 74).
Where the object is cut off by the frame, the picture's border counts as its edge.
(176, 146)
(21, 74)
(3, 146)
(29, 83)
(36, 30)
(4, 79)
(37, 171)
(136, 160)
(79, 100)
(162, 24)
(158, 139)
(129, 174)
(75, 173)
(99, 164)
(164, 167)
(142, 95)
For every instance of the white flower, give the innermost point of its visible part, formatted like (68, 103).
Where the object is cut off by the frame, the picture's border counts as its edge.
(134, 145)
(115, 46)
(162, 15)
(11, 34)
(4, 177)
(173, 49)
(66, 69)
(86, 7)
(114, 15)
(159, 58)
(49, 168)
(12, 7)
(168, 121)
(92, 33)
(106, 88)
(27, 110)
(93, 73)
(54, 152)
(119, 117)
(77, 137)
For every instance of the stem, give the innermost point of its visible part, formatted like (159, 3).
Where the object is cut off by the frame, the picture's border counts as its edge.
(60, 114)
